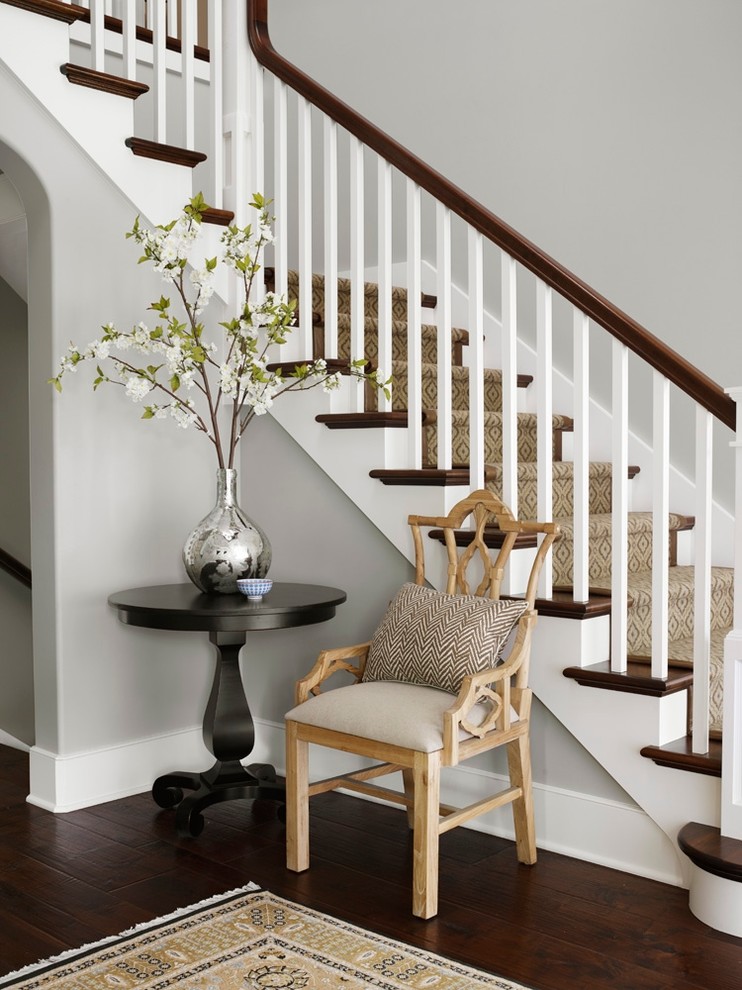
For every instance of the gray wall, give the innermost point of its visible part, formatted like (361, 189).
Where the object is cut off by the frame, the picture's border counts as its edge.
(16, 656)
(606, 132)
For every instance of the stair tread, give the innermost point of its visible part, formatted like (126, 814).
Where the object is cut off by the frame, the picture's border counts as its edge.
(558, 422)
(344, 284)
(371, 323)
(638, 522)
(82, 75)
(680, 580)
(679, 755)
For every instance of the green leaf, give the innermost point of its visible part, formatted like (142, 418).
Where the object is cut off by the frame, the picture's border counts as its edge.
(175, 382)
(148, 413)
(55, 382)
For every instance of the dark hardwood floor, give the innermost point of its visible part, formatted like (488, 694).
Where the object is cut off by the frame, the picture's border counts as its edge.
(561, 925)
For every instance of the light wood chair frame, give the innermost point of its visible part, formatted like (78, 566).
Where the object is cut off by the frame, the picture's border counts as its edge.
(501, 687)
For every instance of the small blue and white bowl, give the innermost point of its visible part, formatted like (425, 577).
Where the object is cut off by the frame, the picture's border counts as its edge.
(254, 588)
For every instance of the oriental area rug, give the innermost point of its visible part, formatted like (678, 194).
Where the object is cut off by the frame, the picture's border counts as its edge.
(250, 939)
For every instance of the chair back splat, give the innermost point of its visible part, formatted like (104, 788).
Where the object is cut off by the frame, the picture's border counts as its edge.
(444, 678)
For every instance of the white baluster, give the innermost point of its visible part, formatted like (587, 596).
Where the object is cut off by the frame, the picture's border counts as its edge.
(257, 144)
(620, 498)
(545, 430)
(384, 190)
(660, 524)
(188, 40)
(702, 581)
(509, 363)
(731, 753)
(476, 359)
(443, 349)
(414, 323)
(280, 206)
(216, 111)
(129, 38)
(331, 238)
(159, 69)
(581, 456)
(305, 228)
(97, 36)
(171, 7)
(357, 270)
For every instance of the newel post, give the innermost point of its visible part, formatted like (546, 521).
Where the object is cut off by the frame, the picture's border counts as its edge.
(731, 786)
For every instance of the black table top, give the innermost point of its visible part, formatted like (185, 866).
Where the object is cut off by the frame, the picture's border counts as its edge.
(184, 607)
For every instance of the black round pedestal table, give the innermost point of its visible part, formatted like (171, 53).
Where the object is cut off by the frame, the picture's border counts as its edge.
(228, 728)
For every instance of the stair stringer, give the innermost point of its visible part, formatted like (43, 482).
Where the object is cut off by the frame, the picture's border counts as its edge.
(613, 726)
(98, 122)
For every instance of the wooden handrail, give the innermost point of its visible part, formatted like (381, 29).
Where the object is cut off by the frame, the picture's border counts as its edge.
(15, 568)
(621, 326)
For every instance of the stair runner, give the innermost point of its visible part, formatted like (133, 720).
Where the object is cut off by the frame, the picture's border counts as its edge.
(680, 598)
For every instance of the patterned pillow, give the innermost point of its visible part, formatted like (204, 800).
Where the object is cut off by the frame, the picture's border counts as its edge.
(435, 639)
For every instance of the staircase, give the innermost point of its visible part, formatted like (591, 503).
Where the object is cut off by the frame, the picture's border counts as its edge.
(640, 524)
(446, 431)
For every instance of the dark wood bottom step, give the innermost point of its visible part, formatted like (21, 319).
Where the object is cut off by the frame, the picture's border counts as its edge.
(705, 846)
(636, 679)
(680, 756)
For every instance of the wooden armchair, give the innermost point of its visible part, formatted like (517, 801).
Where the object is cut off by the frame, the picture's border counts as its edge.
(444, 678)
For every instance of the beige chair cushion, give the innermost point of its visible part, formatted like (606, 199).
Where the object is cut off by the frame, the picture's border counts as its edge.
(435, 639)
(406, 715)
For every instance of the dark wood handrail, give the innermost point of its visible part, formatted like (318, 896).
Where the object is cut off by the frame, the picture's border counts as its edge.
(15, 568)
(621, 326)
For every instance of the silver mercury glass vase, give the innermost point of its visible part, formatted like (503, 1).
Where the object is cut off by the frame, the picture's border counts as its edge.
(226, 544)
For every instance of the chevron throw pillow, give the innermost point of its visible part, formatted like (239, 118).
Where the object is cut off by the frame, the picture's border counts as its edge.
(435, 639)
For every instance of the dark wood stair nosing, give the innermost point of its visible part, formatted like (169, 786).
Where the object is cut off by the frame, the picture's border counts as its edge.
(164, 152)
(223, 218)
(679, 755)
(81, 75)
(633, 681)
(711, 851)
(68, 13)
(364, 420)
(440, 477)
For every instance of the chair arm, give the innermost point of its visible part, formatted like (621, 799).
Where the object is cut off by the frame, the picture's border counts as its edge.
(494, 686)
(329, 662)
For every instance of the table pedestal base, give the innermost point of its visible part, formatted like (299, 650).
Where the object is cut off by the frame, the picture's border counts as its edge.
(222, 782)
(229, 734)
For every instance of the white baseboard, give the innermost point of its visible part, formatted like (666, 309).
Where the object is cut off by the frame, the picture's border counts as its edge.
(585, 827)
(7, 740)
(79, 780)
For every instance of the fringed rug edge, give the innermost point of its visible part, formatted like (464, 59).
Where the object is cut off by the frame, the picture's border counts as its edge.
(81, 950)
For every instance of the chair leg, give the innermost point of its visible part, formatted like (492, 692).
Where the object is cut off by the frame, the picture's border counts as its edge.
(297, 800)
(427, 779)
(519, 765)
(408, 778)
